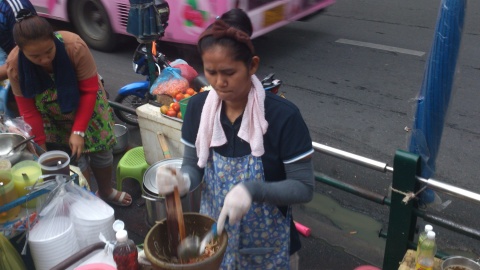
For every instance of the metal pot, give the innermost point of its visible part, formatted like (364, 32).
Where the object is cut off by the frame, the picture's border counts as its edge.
(155, 204)
(7, 142)
(460, 262)
(121, 133)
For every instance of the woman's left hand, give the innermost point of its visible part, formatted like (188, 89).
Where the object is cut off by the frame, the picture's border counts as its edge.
(77, 144)
(235, 206)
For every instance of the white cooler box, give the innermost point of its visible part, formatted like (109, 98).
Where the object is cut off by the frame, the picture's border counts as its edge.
(152, 123)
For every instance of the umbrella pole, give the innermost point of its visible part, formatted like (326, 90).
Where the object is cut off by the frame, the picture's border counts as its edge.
(437, 87)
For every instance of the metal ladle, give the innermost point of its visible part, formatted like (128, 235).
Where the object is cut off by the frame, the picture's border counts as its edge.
(191, 247)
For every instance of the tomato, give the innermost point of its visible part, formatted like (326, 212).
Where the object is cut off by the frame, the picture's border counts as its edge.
(171, 113)
(190, 91)
(179, 96)
(179, 115)
(187, 95)
(176, 106)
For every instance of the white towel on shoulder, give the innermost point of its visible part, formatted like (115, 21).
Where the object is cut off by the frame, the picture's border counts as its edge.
(252, 129)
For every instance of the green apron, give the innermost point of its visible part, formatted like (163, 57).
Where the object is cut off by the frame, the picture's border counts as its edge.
(99, 135)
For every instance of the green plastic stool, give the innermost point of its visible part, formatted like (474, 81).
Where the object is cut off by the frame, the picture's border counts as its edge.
(131, 165)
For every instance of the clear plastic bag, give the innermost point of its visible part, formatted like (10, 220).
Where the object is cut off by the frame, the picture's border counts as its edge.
(169, 82)
(70, 219)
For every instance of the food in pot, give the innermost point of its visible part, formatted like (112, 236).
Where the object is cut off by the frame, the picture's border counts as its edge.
(210, 250)
(457, 267)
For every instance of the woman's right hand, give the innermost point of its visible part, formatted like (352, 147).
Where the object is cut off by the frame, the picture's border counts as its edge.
(77, 144)
(167, 178)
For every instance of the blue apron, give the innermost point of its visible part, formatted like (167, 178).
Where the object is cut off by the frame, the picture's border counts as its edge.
(262, 239)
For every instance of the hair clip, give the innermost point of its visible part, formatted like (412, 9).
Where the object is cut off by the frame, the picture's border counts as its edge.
(23, 14)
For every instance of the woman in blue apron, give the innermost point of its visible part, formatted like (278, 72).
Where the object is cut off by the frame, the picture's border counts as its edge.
(251, 147)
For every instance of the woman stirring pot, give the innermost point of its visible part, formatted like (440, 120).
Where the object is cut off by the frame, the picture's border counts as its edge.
(251, 147)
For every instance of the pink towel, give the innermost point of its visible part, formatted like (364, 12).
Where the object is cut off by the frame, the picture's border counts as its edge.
(252, 129)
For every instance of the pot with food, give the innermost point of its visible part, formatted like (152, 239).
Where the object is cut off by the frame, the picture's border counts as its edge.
(159, 252)
(460, 263)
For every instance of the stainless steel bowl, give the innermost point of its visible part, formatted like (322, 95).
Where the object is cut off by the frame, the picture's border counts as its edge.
(462, 263)
(7, 142)
(121, 133)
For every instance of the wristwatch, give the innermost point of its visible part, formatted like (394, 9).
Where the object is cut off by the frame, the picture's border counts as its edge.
(80, 133)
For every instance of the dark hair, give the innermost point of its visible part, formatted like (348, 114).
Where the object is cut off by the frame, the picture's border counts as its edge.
(238, 19)
(31, 28)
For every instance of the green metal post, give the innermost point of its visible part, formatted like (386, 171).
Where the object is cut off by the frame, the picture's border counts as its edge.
(402, 221)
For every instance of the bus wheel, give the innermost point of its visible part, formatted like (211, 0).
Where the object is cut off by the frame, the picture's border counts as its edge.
(92, 23)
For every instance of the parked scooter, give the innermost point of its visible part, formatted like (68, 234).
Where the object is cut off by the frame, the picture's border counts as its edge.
(136, 94)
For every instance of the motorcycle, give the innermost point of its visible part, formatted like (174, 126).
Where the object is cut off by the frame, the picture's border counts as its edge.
(137, 94)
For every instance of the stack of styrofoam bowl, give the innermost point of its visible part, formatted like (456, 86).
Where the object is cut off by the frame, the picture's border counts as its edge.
(52, 241)
(90, 218)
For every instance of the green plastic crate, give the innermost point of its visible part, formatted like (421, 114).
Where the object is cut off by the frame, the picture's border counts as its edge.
(183, 105)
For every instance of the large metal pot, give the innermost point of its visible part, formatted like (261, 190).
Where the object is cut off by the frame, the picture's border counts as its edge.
(7, 142)
(155, 204)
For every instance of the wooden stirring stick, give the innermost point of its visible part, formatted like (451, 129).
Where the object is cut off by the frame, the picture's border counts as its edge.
(173, 204)
(175, 222)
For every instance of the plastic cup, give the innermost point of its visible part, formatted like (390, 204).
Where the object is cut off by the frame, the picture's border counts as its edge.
(54, 162)
(7, 194)
(25, 174)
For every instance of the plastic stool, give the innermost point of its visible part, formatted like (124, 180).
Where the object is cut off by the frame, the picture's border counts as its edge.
(131, 165)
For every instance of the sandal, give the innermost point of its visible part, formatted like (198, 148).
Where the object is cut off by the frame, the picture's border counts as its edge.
(111, 198)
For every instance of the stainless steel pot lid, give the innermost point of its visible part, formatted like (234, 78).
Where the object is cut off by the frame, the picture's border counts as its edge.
(149, 181)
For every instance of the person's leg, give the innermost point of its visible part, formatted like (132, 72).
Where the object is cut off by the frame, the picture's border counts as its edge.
(101, 165)
(104, 177)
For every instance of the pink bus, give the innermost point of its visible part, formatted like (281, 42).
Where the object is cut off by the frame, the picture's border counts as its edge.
(99, 22)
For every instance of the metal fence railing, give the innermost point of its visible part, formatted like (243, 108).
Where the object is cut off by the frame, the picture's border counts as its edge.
(403, 215)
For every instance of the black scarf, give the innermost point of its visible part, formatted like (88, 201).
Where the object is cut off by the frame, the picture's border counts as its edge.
(35, 80)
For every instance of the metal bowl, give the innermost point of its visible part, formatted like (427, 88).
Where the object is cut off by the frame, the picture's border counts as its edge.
(459, 263)
(7, 142)
(121, 133)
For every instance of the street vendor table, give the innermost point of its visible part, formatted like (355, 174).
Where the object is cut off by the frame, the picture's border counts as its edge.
(408, 262)
(152, 123)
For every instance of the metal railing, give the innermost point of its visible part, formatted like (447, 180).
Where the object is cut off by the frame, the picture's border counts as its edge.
(402, 217)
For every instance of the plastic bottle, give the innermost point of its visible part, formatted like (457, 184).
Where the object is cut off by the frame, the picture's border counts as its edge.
(423, 235)
(125, 253)
(426, 253)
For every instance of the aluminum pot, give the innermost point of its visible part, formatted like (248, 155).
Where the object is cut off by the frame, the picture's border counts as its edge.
(459, 262)
(121, 133)
(155, 204)
(7, 142)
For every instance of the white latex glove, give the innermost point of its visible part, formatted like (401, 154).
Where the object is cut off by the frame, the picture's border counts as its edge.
(167, 178)
(236, 205)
